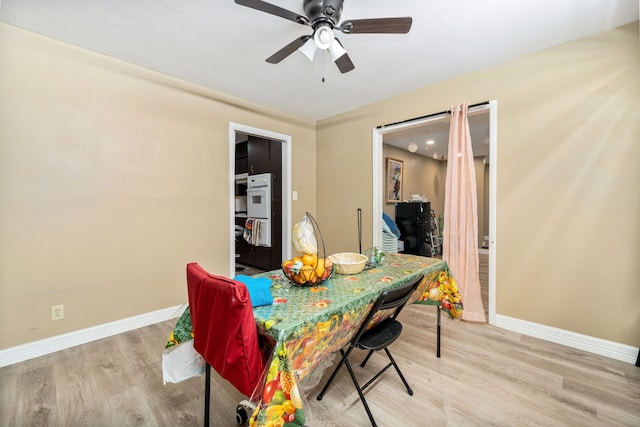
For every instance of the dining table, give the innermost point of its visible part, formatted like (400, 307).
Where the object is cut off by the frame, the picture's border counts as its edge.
(309, 324)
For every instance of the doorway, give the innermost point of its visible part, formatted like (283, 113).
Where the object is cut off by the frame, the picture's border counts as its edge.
(282, 223)
(379, 136)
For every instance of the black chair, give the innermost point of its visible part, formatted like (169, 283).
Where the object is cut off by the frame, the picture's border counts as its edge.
(378, 337)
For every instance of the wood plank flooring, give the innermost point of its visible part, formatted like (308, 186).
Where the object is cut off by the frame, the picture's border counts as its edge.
(486, 376)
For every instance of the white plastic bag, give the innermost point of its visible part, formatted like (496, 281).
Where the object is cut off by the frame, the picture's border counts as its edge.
(181, 362)
(303, 238)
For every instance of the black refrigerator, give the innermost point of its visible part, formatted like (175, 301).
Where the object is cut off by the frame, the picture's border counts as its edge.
(413, 219)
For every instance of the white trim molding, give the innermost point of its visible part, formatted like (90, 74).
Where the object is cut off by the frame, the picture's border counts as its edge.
(46, 346)
(286, 187)
(614, 350)
(21, 353)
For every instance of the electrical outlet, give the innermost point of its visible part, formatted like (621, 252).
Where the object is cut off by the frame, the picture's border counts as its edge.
(57, 312)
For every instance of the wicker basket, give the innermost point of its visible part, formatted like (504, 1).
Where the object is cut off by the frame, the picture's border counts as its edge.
(348, 262)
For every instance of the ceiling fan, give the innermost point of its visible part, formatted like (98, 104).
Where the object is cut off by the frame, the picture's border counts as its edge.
(324, 17)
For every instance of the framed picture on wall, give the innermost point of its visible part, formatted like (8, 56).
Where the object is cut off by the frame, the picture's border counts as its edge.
(394, 180)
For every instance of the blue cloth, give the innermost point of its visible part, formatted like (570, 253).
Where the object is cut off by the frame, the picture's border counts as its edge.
(392, 224)
(259, 289)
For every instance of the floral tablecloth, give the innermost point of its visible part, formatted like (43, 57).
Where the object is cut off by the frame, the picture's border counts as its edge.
(310, 323)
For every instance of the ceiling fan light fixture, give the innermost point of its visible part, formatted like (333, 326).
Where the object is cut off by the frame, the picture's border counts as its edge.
(323, 16)
(324, 37)
(336, 50)
(309, 49)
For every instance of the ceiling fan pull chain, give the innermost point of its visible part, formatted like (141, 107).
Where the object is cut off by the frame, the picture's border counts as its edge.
(323, 52)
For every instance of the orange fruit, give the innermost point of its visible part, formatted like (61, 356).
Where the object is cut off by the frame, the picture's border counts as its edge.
(307, 272)
(296, 258)
(310, 259)
(320, 267)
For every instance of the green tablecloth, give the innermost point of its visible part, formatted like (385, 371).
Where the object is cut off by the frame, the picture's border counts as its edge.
(309, 323)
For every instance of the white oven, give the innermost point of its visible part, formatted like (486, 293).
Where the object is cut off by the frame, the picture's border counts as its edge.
(259, 196)
(259, 205)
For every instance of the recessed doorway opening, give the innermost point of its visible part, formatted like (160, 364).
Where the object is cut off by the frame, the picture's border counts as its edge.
(411, 138)
(280, 192)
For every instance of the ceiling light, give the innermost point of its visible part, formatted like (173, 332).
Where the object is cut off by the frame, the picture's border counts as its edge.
(413, 147)
(324, 36)
(430, 142)
(336, 50)
(309, 49)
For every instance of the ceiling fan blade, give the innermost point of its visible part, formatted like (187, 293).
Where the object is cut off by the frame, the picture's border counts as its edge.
(377, 25)
(263, 6)
(343, 62)
(287, 50)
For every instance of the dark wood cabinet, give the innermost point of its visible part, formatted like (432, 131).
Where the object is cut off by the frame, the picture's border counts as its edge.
(259, 155)
(242, 158)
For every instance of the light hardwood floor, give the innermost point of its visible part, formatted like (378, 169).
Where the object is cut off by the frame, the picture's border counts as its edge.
(486, 376)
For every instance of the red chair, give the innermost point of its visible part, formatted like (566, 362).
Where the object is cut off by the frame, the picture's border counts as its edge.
(224, 331)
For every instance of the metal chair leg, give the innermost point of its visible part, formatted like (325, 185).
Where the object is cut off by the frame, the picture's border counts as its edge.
(366, 359)
(335, 372)
(395, 365)
(360, 393)
(207, 393)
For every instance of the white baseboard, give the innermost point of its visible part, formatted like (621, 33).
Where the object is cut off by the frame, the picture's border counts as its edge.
(622, 352)
(39, 348)
(614, 350)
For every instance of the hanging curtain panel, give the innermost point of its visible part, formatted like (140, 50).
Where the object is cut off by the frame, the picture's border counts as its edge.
(460, 234)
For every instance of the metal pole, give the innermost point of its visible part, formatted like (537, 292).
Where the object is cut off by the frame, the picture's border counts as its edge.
(359, 230)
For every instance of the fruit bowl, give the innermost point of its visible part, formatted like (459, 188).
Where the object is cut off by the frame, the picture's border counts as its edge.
(307, 275)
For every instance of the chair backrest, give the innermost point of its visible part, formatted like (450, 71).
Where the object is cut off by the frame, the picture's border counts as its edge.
(395, 298)
(224, 329)
(398, 297)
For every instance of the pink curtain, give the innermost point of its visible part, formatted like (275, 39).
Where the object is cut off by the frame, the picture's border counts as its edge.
(460, 234)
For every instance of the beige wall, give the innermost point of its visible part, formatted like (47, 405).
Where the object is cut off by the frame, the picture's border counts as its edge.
(421, 175)
(568, 162)
(426, 176)
(112, 178)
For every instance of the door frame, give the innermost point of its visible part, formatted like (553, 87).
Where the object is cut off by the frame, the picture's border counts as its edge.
(286, 186)
(377, 151)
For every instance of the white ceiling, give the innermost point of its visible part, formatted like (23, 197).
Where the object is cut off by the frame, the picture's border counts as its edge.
(437, 131)
(223, 46)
